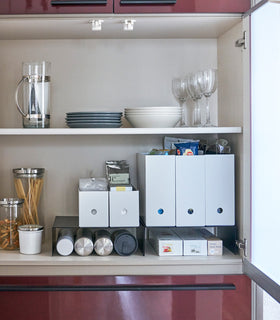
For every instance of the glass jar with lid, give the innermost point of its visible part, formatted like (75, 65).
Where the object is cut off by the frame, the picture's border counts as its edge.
(28, 184)
(11, 215)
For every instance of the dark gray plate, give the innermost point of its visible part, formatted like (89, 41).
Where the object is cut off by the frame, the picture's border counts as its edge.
(93, 118)
(94, 125)
(93, 114)
(93, 121)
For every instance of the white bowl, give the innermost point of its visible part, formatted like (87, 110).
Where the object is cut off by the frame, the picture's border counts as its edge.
(177, 106)
(178, 111)
(149, 109)
(153, 121)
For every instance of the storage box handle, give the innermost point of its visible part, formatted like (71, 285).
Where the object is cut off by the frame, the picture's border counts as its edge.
(187, 287)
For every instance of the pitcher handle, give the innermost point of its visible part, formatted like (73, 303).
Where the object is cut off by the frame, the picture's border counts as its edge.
(16, 97)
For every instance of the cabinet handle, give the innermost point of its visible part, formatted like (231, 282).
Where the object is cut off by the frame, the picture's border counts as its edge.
(192, 287)
(76, 2)
(148, 1)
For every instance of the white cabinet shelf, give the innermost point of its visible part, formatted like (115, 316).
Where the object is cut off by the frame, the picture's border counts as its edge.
(44, 264)
(117, 131)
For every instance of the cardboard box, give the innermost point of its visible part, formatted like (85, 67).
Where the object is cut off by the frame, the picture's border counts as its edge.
(214, 244)
(165, 242)
(194, 244)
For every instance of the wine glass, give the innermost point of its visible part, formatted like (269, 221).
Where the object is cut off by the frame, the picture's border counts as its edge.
(207, 80)
(180, 94)
(193, 90)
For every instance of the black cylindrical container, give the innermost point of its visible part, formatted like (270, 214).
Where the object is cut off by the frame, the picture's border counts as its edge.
(83, 244)
(65, 242)
(125, 243)
(103, 244)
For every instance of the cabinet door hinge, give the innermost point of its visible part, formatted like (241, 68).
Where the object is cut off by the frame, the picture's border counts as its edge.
(242, 42)
(242, 244)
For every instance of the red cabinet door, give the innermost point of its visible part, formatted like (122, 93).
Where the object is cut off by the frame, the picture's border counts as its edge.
(181, 6)
(55, 6)
(214, 297)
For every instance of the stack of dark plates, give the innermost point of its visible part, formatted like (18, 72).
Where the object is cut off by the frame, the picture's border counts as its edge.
(93, 119)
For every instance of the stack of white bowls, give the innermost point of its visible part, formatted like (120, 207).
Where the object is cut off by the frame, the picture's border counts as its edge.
(153, 117)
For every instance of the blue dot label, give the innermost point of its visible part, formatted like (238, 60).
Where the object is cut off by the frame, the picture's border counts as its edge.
(160, 211)
(220, 210)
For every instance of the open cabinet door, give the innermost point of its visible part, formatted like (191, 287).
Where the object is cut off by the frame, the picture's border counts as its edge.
(263, 267)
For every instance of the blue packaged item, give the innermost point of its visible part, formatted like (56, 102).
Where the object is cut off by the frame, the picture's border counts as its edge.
(187, 148)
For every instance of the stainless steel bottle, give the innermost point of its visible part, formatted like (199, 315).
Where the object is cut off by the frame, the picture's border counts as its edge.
(83, 244)
(103, 244)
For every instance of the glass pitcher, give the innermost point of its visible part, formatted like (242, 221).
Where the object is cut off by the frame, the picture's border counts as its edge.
(35, 85)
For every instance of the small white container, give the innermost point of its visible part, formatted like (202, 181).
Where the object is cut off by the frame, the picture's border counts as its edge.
(30, 238)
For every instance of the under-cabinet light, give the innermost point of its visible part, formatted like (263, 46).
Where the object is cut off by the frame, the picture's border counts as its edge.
(128, 25)
(96, 25)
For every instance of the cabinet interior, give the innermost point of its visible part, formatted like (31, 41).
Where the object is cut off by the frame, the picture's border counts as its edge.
(110, 73)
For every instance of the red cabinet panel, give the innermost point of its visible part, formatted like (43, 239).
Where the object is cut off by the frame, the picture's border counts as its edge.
(45, 6)
(197, 304)
(186, 6)
(183, 6)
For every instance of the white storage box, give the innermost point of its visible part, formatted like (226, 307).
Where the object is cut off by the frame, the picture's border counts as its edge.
(124, 208)
(190, 191)
(165, 242)
(156, 181)
(193, 242)
(220, 190)
(93, 209)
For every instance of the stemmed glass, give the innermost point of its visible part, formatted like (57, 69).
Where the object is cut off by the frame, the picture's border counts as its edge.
(207, 80)
(180, 94)
(195, 93)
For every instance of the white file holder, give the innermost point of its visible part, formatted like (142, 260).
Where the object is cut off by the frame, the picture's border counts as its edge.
(93, 209)
(156, 181)
(220, 190)
(190, 191)
(124, 208)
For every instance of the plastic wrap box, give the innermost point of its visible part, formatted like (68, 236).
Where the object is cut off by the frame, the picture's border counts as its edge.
(194, 244)
(214, 244)
(165, 242)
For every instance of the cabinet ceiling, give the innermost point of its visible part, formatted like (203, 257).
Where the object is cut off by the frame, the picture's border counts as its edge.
(145, 26)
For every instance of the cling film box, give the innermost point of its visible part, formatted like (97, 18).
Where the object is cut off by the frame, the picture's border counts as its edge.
(165, 242)
(194, 244)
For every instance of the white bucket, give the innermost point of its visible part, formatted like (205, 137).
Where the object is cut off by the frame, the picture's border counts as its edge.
(30, 239)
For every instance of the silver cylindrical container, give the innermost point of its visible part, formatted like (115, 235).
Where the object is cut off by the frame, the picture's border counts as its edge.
(83, 244)
(65, 242)
(103, 244)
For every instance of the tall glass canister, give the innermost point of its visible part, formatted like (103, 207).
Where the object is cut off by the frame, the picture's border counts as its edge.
(28, 184)
(10, 219)
(35, 92)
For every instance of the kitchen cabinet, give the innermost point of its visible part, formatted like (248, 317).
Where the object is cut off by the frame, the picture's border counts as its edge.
(48, 7)
(180, 6)
(121, 6)
(160, 297)
(85, 76)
